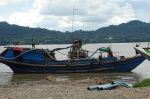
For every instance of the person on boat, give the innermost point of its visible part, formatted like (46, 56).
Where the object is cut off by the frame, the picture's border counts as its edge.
(110, 53)
(136, 52)
(137, 45)
(100, 57)
(33, 44)
(17, 43)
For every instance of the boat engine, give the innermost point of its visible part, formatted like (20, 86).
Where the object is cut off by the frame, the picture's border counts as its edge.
(76, 50)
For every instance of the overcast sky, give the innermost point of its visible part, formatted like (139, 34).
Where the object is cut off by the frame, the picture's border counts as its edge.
(57, 14)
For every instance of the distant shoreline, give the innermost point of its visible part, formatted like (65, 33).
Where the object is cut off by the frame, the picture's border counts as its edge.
(71, 43)
(133, 31)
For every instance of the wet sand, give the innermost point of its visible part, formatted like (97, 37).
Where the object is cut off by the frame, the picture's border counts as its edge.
(70, 89)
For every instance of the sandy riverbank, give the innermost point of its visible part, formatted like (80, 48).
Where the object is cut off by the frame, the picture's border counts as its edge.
(72, 89)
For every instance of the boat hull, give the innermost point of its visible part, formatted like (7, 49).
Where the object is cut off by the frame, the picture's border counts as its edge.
(125, 65)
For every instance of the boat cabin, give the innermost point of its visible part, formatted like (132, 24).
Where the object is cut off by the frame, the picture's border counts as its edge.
(27, 55)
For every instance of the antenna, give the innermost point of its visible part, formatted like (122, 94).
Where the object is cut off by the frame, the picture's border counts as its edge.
(110, 38)
(73, 13)
(73, 19)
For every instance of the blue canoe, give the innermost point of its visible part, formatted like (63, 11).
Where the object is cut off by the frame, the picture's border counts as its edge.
(109, 86)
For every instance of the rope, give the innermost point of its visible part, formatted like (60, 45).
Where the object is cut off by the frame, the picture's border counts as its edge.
(62, 53)
(88, 51)
(49, 54)
(93, 53)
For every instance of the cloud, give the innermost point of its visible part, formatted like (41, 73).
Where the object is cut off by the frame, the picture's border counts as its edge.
(121, 16)
(59, 7)
(30, 18)
(140, 1)
(5, 2)
(57, 14)
(1, 19)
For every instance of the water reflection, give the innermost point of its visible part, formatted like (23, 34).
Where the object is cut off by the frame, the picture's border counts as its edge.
(7, 78)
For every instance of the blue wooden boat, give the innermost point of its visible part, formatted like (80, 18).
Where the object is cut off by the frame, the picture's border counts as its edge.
(28, 60)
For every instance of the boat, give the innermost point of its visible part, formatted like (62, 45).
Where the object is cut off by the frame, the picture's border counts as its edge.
(109, 86)
(34, 60)
(144, 52)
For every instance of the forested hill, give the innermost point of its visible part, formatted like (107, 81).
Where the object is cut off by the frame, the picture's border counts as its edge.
(133, 31)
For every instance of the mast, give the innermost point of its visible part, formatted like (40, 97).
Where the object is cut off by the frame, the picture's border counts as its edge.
(110, 38)
(73, 11)
(76, 50)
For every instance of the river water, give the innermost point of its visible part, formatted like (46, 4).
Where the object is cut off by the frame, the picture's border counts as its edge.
(123, 49)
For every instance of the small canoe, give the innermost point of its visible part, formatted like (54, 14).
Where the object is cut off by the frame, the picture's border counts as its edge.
(109, 86)
(144, 52)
